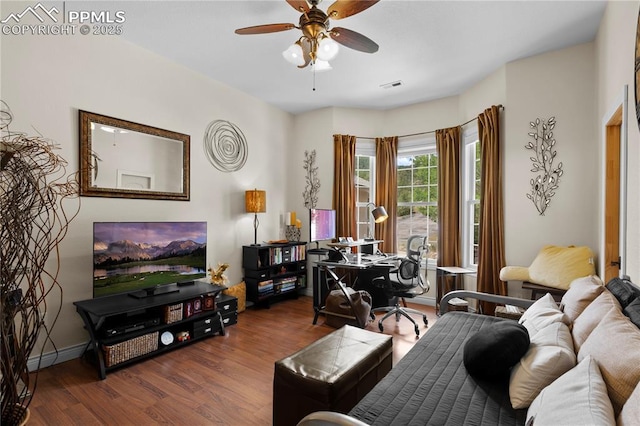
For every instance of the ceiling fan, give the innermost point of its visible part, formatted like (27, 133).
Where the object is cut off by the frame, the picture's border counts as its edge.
(318, 41)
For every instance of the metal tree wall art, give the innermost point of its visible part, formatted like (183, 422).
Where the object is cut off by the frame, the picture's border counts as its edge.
(33, 186)
(543, 186)
(312, 187)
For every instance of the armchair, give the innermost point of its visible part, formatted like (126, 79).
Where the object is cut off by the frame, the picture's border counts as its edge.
(553, 270)
(405, 281)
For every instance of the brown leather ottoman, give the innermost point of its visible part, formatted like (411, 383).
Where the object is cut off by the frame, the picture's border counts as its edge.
(333, 373)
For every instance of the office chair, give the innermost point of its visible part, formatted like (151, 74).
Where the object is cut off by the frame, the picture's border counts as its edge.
(405, 281)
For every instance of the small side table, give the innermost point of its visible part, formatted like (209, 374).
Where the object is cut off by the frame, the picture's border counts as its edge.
(448, 271)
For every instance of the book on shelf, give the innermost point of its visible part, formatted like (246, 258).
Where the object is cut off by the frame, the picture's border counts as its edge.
(287, 287)
(265, 286)
(296, 253)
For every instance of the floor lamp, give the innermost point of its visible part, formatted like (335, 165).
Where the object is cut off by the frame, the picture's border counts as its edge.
(255, 202)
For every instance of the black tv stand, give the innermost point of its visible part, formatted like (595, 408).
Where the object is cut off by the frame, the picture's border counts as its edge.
(153, 291)
(124, 329)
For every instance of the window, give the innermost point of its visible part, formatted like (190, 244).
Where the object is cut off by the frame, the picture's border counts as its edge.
(365, 193)
(418, 198)
(471, 213)
(417, 210)
(418, 192)
(365, 185)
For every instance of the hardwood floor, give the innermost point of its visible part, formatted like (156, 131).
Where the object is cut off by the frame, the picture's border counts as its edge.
(224, 380)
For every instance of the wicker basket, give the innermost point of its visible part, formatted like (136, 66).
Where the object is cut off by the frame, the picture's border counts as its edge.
(172, 313)
(124, 351)
(239, 291)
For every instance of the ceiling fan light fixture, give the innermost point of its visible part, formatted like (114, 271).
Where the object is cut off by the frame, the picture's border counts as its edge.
(294, 54)
(320, 66)
(327, 49)
(319, 41)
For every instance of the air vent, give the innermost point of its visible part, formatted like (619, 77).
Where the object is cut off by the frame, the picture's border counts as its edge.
(392, 84)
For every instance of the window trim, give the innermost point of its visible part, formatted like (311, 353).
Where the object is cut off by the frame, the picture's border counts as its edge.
(410, 146)
(469, 137)
(372, 189)
(414, 146)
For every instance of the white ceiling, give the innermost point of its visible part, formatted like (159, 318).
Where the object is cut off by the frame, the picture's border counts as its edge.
(436, 48)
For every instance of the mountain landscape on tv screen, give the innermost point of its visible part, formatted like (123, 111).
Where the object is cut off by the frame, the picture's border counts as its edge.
(133, 256)
(125, 251)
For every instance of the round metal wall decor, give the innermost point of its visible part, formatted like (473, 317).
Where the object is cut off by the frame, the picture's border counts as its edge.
(225, 146)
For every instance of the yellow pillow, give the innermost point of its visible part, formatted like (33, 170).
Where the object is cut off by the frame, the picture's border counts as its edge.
(557, 266)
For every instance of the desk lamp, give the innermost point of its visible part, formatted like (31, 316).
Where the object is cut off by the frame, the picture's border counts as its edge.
(255, 202)
(379, 215)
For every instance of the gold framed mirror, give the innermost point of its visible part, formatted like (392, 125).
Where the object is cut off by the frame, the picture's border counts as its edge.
(119, 158)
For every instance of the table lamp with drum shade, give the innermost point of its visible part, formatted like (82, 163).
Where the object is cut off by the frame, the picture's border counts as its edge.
(255, 202)
(379, 214)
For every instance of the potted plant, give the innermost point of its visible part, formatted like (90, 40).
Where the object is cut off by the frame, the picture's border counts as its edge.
(33, 187)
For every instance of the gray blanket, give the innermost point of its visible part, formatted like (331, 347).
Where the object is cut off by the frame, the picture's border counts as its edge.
(430, 385)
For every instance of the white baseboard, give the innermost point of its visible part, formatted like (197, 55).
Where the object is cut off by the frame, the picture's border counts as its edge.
(423, 300)
(52, 358)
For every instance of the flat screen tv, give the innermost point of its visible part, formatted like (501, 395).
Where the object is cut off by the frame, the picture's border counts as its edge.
(322, 225)
(142, 258)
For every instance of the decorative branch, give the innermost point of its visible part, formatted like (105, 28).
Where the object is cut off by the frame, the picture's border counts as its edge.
(544, 185)
(312, 187)
(33, 186)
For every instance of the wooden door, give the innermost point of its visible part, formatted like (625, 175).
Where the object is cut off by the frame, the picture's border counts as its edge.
(612, 197)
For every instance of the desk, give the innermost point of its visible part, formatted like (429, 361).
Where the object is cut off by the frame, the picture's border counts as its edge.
(448, 271)
(363, 246)
(360, 262)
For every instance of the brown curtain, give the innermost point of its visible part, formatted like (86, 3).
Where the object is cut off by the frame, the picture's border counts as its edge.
(448, 147)
(491, 249)
(344, 187)
(387, 191)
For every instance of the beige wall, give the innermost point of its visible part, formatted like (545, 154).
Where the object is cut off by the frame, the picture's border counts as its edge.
(559, 84)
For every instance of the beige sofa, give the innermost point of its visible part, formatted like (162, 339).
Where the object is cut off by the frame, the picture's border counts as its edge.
(583, 364)
(582, 367)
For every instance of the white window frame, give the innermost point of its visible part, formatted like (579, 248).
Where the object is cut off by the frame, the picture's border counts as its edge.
(422, 145)
(469, 138)
(367, 148)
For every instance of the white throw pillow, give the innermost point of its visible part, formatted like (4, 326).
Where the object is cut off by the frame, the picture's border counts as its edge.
(581, 292)
(578, 397)
(631, 409)
(614, 345)
(550, 355)
(584, 324)
(543, 312)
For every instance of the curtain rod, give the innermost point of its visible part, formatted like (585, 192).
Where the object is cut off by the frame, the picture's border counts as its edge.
(425, 133)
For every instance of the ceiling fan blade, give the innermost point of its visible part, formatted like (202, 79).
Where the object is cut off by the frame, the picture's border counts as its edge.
(299, 5)
(345, 8)
(262, 29)
(353, 40)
